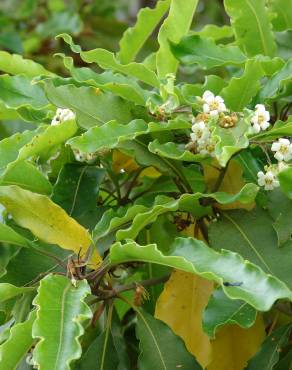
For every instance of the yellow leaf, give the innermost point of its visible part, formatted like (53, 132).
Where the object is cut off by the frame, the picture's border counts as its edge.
(232, 183)
(46, 220)
(234, 346)
(124, 162)
(181, 305)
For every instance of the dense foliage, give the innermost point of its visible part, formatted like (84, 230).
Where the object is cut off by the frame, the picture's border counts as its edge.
(146, 187)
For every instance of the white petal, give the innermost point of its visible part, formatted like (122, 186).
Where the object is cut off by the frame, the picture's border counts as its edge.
(206, 108)
(222, 107)
(218, 99)
(264, 125)
(213, 113)
(207, 94)
(255, 119)
(267, 115)
(279, 156)
(276, 183)
(260, 108)
(275, 146)
(284, 141)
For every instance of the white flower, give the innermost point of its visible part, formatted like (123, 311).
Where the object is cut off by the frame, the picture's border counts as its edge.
(201, 132)
(268, 180)
(213, 104)
(260, 119)
(207, 148)
(282, 166)
(84, 157)
(283, 149)
(62, 115)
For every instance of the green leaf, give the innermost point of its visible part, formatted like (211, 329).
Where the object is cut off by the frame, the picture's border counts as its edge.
(13, 350)
(204, 52)
(92, 106)
(16, 65)
(111, 134)
(60, 312)
(280, 209)
(27, 176)
(160, 348)
(277, 84)
(44, 218)
(19, 92)
(222, 310)
(128, 222)
(101, 354)
(123, 86)
(282, 18)
(174, 27)
(8, 235)
(215, 32)
(8, 291)
(252, 235)
(240, 90)
(10, 146)
(268, 355)
(107, 60)
(285, 178)
(77, 188)
(134, 37)
(250, 18)
(194, 256)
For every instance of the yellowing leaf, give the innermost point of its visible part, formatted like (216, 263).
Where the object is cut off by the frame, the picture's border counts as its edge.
(232, 183)
(45, 219)
(123, 161)
(181, 306)
(234, 346)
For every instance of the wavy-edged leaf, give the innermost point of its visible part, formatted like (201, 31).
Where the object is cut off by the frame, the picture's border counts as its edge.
(92, 105)
(44, 218)
(240, 90)
(216, 32)
(60, 312)
(123, 86)
(20, 340)
(160, 348)
(252, 235)
(258, 289)
(282, 17)
(139, 216)
(174, 27)
(134, 37)
(27, 176)
(204, 52)
(111, 134)
(277, 84)
(181, 306)
(16, 65)
(268, 355)
(250, 18)
(222, 310)
(107, 60)
(8, 291)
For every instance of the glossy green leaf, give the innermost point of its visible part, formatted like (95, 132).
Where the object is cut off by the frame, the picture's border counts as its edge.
(160, 348)
(215, 32)
(8, 291)
(107, 60)
(20, 340)
(250, 18)
(109, 135)
(134, 37)
(269, 353)
(27, 176)
(282, 17)
(258, 289)
(277, 83)
(16, 64)
(204, 52)
(252, 235)
(222, 310)
(76, 190)
(285, 178)
(50, 223)
(92, 106)
(240, 90)
(174, 27)
(60, 312)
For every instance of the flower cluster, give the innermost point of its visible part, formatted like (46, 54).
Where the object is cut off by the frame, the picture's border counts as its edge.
(84, 157)
(212, 104)
(283, 153)
(201, 138)
(62, 115)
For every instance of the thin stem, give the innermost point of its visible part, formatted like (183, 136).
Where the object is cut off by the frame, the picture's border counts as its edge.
(220, 178)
